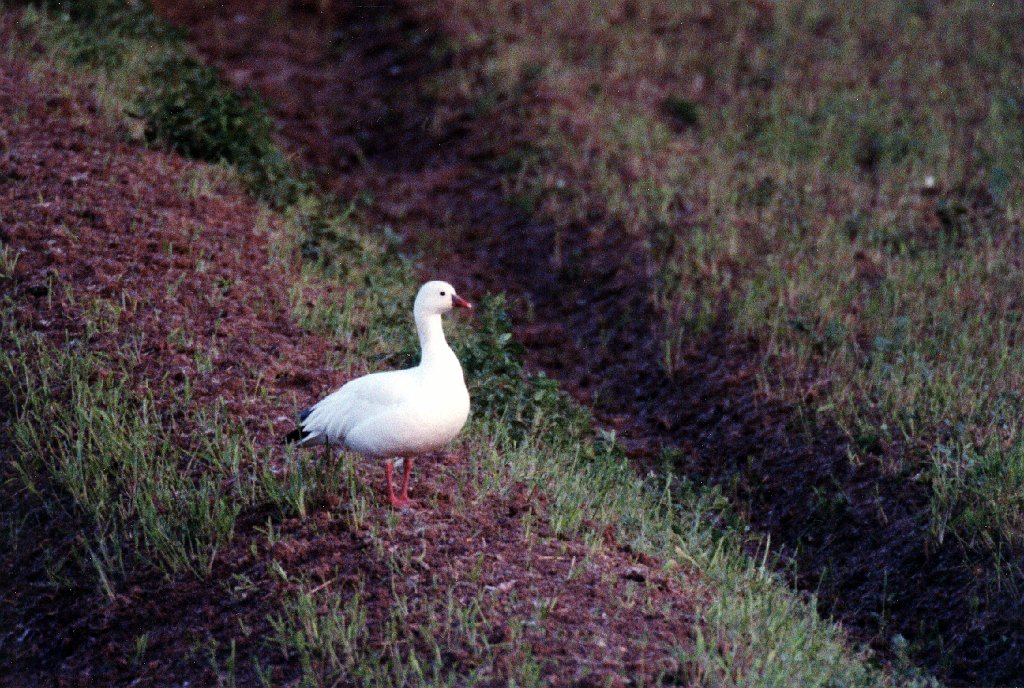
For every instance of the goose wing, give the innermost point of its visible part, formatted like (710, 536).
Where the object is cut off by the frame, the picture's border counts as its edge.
(331, 419)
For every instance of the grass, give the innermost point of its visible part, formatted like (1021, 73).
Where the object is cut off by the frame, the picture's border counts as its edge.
(83, 433)
(93, 445)
(841, 182)
(328, 632)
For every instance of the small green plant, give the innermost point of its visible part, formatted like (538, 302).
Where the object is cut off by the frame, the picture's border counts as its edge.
(141, 642)
(8, 262)
(225, 673)
(305, 479)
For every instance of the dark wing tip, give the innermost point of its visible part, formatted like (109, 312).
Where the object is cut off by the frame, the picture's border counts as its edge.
(298, 434)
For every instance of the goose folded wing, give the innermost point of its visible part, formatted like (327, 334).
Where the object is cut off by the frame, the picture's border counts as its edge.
(358, 400)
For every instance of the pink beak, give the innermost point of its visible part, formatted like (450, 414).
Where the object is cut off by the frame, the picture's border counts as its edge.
(460, 302)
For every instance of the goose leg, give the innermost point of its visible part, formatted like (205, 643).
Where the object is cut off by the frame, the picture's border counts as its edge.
(405, 482)
(397, 502)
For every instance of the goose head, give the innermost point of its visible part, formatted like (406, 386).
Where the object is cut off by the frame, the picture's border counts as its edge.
(437, 298)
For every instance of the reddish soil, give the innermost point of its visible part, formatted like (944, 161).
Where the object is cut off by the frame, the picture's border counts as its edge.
(84, 208)
(348, 87)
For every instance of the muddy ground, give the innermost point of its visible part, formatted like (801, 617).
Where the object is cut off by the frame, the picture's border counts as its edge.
(347, 83)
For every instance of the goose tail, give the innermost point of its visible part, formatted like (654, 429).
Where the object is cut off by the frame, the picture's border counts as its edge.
(299, 434)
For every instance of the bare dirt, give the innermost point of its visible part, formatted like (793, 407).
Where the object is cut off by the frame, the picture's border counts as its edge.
(86, 209)
(348, 84)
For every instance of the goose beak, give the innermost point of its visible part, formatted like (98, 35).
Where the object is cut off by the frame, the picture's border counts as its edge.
(460, 302)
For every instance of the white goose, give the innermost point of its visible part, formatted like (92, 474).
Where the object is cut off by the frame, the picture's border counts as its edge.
(398, 413)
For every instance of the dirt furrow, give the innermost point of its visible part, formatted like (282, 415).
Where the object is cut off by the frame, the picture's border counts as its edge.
(349, 85)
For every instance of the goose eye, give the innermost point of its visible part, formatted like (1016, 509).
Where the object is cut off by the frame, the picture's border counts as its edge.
(442, 293)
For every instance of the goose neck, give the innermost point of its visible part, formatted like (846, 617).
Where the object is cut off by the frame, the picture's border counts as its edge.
(432, 341)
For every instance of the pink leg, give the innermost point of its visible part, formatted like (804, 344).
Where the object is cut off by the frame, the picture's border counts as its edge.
(397, 502)
(405, 481)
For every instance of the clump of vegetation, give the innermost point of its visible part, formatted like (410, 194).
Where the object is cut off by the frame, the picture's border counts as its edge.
(188, 108)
